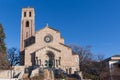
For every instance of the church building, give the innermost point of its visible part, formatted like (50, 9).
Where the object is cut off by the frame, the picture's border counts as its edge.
(44, 48)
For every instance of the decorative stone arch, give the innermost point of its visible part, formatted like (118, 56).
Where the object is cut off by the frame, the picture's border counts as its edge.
(42, 54)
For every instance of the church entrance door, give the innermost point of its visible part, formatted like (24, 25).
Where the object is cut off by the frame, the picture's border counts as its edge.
(51, 59)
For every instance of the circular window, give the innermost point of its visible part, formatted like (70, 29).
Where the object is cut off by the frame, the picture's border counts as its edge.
(48, 38)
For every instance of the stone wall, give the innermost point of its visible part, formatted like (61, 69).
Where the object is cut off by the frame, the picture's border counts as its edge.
(6, 74)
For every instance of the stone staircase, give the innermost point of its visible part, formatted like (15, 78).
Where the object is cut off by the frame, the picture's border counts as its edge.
(48, 74)
(21, 74)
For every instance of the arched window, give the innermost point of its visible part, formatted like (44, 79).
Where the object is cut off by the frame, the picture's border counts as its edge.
(27, 23)
(24, 14)
(30, 14)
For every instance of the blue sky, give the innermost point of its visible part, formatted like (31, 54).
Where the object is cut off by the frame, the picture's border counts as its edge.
(81, 22)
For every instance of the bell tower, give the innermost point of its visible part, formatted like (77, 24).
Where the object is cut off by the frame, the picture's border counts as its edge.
(27, 27)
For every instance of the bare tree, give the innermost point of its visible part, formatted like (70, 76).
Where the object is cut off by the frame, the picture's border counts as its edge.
(102, 67)
(85, 54)
(94, 67)
(13, 56)
(85, 60)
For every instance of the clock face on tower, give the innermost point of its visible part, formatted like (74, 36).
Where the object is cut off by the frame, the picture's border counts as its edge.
(48, 38)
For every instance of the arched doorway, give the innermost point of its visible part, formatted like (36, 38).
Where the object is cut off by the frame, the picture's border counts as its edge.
(51, 59)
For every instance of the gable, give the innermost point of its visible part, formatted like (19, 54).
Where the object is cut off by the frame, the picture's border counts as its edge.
(47, 28)
(51, 33)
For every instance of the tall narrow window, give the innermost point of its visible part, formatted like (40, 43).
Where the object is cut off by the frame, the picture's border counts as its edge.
(59, 60)
(33, 58)
(70, 70)
(30, 14)
(27, 23)
(56, 63)
(24, 14)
